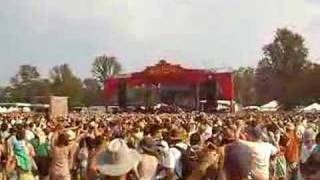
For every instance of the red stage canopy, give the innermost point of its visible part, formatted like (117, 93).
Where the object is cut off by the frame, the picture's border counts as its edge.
(165, 73)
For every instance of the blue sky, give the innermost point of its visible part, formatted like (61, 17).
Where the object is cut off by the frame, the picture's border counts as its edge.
(201, 34)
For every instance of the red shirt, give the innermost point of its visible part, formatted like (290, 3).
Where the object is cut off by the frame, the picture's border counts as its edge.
(292, 148)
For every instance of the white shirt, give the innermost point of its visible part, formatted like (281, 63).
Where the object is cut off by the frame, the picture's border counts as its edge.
(166, 156)
(167, 160)
(4, 134)
(261, 153)
(175, 155)
(207, 133)
(29, 135)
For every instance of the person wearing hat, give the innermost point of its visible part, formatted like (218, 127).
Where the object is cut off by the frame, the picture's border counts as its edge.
(118, 161)
(149, 159)
(166, 160)
(177, 147)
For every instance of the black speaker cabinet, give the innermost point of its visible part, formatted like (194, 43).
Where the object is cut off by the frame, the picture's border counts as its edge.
(209, 93)
(122, 93)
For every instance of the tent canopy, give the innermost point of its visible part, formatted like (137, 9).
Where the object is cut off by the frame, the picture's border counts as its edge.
(312, 107)
(252, 108)
(15, 104)
(3, 110)
(271, 106)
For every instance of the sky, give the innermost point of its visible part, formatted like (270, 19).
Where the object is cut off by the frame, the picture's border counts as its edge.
(194, 33)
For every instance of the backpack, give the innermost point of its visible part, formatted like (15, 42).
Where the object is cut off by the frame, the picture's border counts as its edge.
(190, 160)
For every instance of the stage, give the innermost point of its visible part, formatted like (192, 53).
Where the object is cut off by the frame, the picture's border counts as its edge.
(170, 84)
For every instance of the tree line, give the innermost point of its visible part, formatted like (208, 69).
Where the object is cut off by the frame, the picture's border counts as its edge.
(28, 85)
(284, 73)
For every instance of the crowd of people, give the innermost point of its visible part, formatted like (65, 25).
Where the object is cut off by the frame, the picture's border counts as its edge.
(142, 146)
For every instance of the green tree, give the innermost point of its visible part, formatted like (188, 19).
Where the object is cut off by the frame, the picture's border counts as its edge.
(105, 67)
(244, 79)
(39, 91)
(264, 82)
(65, 83)
(3, 94)
(283, 61)
(26, 85)
(287, 53)
(309, 81)
(26, 74)
(92, 92)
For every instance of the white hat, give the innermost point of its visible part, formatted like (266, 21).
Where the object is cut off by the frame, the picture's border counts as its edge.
(92, 124)
(118, 159)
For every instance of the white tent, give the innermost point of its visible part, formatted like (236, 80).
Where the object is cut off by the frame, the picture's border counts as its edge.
(312, 107)
(26, 109)
(222, 107)
(255, 108)
(226, 104)
(271, 106)
(12, 109)
(15, 104)
(158, 106)
(3, 110)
